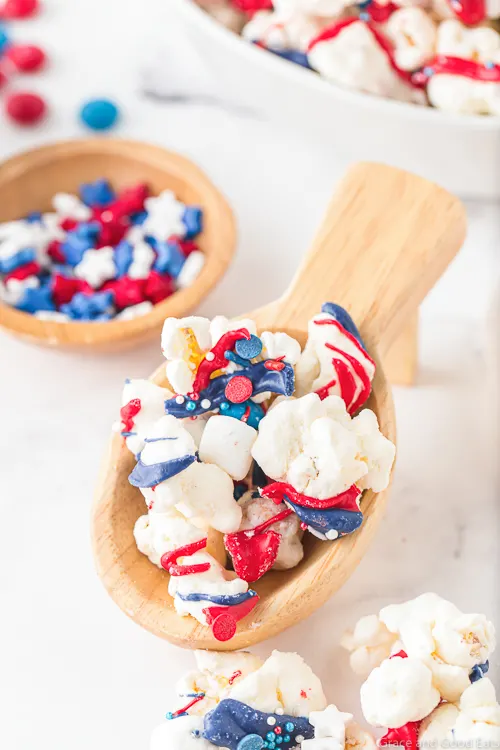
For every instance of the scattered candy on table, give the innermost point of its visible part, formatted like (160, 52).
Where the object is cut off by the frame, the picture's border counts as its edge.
(100, 255)
(99, 114)
(442, 53)
(251, 439)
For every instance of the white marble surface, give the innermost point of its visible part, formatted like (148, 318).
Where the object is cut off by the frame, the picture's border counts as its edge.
(75, 672)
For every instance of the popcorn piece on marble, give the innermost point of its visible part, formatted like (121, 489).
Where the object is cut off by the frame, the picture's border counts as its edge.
(282, 31)
(142, 406)
(256, 510)
(350, 55)
(227, 443)
(465, 89)
(283, 682)
(182, 733)
(369, 644)
(413, 34)
(164, 218)
(215, 582)
(68, 206)
(191, 269)
(399, 691)
(216, 674)
(316, 447)
(96, 266)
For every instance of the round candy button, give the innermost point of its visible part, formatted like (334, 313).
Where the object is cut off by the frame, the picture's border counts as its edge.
(251, 742)
(25, 108)
(99, 114)
(27, 58)
(238, 389)
(19, 8)
(224, 627)
(249, 348)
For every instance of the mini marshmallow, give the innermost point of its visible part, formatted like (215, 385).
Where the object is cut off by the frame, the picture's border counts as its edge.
(143, 259)
(179, 734)
(217, 673)
(152, 400)
(354, 59)
(436, 728)
(256, 510)
(193, 266)
(203, 493)
(280, 345)
(215, 582)
(164, 218)
(221, 325)
(283, 682)
(398, 691)
(96, 266)
(282, 31)
(329, 729)
(158, 533)
(227, 442)
(316, 447)
(369, 644)
(68, 206)
(413, 34)
(478, 721)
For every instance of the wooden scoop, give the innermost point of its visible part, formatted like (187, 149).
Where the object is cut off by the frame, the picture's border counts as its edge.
(386, 238)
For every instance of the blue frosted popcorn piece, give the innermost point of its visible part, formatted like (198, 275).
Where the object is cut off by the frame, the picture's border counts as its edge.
(222, 600)
(193, 221)
(15, 261)
(149, 476)
(230, 722)
(478, 671)
(325, 520)
(170, 258)
(123, 257)
(97, 194)
(36, 300)
(345, 320)
(292, 55)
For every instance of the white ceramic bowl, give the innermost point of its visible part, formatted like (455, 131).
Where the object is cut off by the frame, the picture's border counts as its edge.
(460, 152)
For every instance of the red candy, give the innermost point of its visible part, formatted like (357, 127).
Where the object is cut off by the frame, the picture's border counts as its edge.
(25, 108)
(54, 251)
(27, 58)
(254, 551)
(252, 6)
(68, 224)
(112, 230)
(187, 246)
(64, 289)
(13, 9)
(158, 287)
(30, 269)
(238, 389)
(128, 412)
(127, 291)
(3, 79)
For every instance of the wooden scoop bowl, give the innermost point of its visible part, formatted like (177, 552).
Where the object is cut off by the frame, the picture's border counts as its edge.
(386, 238)
(28, 182)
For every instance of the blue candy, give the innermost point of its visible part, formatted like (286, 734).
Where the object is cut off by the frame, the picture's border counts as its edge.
(21, 258)
(170, 258)
(35, 217)
(99, 114)
(238, 410)
(249, 348)
(123, 257)
(193, 221)
(4, 38)
(478, 671)
(89, 306)
(232, 721)
(78, 241)
(251, 742)
(140, 218)
(292, 55)
(35, 300)
(97, 194)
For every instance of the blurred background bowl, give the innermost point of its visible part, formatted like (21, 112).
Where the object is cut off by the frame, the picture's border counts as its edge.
(460, 152)
(29, 181)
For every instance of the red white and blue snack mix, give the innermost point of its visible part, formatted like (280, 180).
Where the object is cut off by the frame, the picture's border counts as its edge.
(100, 255)
(235, 701)
(255, 441)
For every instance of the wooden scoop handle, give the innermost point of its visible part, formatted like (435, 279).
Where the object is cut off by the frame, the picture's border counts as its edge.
(385, 240)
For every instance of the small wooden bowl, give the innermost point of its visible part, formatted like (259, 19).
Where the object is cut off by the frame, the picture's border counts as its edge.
(386, 239)
(28, 182)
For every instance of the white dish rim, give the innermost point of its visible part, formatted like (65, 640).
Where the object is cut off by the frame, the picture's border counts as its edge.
(258, 56)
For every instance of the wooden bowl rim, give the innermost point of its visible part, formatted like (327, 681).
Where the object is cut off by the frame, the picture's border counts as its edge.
(75, 334)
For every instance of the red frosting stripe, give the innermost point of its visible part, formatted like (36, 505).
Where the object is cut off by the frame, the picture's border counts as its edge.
(457, 66)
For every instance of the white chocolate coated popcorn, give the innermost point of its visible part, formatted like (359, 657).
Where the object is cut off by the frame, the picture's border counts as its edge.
(478, 721)
(215, 582)
(398, 691)
(413, 34)
(369, 644)
(277, 345)
(282, 31)
(326, 8)
(436, 728)
(216, 675)
(354, 59)
(158, 533)
(285, 682)
(227, 442)
(256, 510)
(152, 399)
(316, 447)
